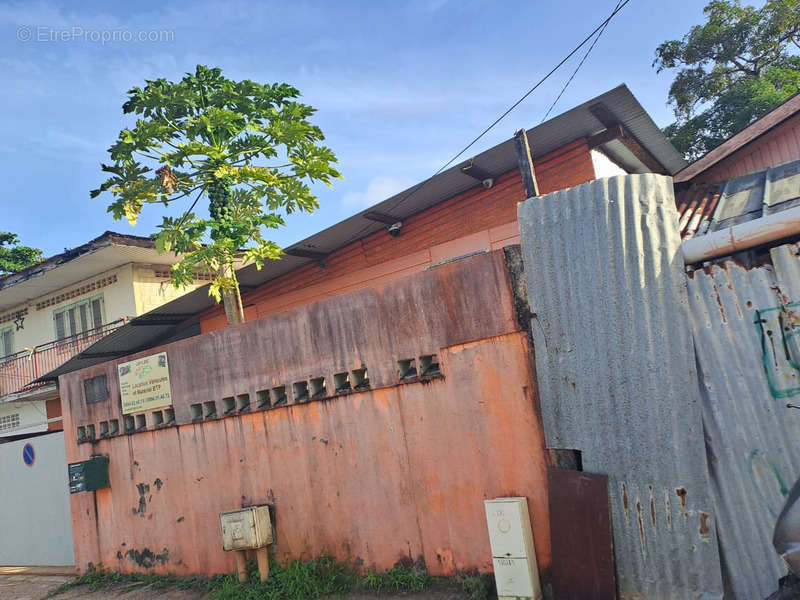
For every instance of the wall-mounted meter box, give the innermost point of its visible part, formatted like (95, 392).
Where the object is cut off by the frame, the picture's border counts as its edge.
(246, 529)
(513, 555)
(89, 475)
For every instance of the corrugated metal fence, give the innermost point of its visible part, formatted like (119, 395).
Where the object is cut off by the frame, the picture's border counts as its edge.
(616, 372)
(745, 323)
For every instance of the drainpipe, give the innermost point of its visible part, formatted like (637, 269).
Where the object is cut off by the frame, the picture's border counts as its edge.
(742, 236)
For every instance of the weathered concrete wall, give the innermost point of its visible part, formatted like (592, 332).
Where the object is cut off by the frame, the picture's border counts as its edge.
(35, 525)
(397, 470)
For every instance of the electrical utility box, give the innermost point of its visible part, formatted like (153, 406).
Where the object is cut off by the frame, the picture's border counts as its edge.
(515, 571)
(88, 475)
(246, 529)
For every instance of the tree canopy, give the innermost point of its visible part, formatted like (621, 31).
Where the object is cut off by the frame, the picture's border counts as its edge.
(248, 148)
(14, 257)
(731, 70)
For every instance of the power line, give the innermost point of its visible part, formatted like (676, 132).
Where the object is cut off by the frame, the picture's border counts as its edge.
(597, 29)
(580, 64)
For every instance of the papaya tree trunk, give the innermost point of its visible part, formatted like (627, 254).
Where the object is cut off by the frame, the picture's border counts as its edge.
(232, 298)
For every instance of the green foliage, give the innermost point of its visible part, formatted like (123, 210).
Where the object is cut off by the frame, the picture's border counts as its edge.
(249, 148)
(297, 580)
(14, 257)
(731, 70)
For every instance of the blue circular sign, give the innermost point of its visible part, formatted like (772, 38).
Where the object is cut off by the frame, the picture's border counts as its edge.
(28, 455)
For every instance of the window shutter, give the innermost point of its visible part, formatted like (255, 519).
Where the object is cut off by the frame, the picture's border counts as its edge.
(60, 329)
(97, 312)
(71, 317)
(83, 309)
(6, 343)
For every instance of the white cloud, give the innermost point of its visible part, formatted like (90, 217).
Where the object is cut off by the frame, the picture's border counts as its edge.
(378, 189)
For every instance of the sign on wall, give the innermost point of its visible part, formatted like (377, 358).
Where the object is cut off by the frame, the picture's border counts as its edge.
(144, 384)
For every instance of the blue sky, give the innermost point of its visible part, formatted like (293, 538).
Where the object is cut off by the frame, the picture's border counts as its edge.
(400, 86)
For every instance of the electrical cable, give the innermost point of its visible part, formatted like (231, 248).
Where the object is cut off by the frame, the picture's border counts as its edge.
(580, 64)
(600, 27)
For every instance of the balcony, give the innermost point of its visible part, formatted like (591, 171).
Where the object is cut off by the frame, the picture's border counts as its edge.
(19, 370)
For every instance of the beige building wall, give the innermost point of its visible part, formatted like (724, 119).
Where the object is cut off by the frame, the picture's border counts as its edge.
(153, 287)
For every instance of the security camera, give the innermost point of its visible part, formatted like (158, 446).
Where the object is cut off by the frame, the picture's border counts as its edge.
(394, 228)
(487, 183)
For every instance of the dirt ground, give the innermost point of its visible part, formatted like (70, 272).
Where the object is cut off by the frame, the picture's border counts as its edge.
(36, 587)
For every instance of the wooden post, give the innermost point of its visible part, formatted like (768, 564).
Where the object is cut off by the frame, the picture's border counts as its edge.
(241, 565)
(263, 563)
(526, 164)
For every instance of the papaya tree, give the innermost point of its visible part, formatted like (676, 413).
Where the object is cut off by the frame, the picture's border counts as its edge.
(245, 148)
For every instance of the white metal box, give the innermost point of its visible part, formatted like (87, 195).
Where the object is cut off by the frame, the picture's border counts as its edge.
(246, 528)
(513, 553)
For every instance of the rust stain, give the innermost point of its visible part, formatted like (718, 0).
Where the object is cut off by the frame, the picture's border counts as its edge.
(703, 523)
(668, 509)
(642, 536)
(682, 495)
(625, 502)
(652, 506)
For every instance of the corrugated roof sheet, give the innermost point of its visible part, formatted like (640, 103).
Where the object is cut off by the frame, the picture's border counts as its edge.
(544, 138)
(744, 322)
(616, 373)
(706, 207)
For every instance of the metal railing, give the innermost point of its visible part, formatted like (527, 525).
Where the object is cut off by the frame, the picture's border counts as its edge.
(18, 370)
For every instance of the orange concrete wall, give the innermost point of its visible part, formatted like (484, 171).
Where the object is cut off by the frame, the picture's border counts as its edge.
(474, 220)
(779, 145)
(53, 410)
(395, 471)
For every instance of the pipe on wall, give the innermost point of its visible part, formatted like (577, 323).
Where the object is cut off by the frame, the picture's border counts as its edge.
(742, 236)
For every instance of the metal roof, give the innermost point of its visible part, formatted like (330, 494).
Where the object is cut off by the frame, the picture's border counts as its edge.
(576, 123)
(733, 144)
(707, 207)
(103, 253)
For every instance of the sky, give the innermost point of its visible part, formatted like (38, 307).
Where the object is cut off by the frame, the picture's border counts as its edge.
(399, 86)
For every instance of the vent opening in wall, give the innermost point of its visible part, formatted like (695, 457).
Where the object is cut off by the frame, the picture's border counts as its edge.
(9, 422)
(300, 391)
(407, 369)
(429, 365)
(141, 422)
(129, 424)
(243, 402)
(341, 383)
(103, 429)
(228, 405)
(90, 433)
(317, 387)
(262, 399)
(81, 434)
(158, 418)
(113, 427)
(210, 409)
(196, 412)
(169, 416)
(360, 379)
(278, 396)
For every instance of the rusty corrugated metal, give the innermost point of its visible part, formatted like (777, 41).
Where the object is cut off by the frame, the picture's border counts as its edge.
(617, 376)
(696, 206)
(745, 325)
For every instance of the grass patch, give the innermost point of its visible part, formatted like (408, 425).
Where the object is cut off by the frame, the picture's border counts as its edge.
(296, 580)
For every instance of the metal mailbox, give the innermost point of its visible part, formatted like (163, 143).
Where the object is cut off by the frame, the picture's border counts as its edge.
(88, 475)
(246, 529)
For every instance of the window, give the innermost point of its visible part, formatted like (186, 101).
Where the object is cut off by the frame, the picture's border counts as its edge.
(6, 341)
(79, 317)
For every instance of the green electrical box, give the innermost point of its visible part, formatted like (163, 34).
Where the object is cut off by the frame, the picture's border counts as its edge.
(89, 475)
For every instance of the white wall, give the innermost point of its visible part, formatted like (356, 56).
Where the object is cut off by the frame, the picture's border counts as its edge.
(35, 519)
(604, 166)
(32, 417)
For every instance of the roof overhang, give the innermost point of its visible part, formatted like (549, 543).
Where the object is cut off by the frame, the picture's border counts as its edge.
(102, 254)
(617, 107)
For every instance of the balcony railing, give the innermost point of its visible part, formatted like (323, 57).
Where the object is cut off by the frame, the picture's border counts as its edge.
(17, 371)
